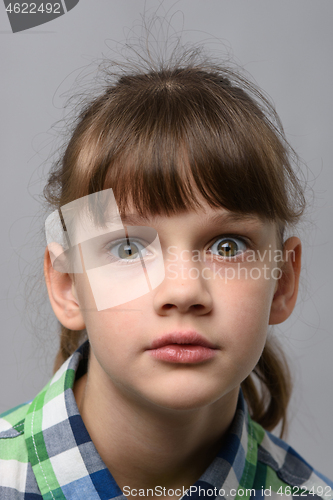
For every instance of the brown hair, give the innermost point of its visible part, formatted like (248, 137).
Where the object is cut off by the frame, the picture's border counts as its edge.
(154, 135)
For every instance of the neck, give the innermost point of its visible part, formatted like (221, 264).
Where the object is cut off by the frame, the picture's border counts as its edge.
(145, 446)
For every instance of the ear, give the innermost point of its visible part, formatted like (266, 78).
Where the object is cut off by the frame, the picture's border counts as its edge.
(61, 290)
(286, 291)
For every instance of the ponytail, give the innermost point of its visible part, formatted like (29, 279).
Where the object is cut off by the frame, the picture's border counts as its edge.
(70, 340)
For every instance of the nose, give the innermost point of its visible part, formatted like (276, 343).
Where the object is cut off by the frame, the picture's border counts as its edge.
(183, 290)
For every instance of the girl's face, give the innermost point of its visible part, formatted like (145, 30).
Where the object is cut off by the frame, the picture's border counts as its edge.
(204, 298)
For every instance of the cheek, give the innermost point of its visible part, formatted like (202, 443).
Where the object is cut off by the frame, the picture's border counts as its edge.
(244, 311)
(128, 320)
(254, 304)
(113, 329)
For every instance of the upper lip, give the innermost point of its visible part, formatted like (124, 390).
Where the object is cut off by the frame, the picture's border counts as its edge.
(181, 337)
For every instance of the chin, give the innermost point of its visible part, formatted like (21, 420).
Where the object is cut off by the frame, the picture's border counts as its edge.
(179, 400)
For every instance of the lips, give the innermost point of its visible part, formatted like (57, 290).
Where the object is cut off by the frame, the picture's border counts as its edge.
(188, 337)
(182, 347)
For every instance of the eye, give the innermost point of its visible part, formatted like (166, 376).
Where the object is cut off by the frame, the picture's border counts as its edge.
(127, 250)
(228, 247)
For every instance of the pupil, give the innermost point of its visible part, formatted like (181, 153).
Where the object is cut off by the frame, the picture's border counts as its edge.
(227, 248)
(130, 251)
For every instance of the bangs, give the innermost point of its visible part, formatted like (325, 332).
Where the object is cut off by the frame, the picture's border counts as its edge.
(168, 176)
(167, 142)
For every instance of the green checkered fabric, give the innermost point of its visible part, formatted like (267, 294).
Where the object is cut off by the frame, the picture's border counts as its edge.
(46, 453)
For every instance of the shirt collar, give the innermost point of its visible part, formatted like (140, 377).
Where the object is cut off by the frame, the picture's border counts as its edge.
(65, 460)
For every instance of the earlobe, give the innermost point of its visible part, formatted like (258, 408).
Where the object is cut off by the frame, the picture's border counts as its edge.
(62, 296)
(285, 295)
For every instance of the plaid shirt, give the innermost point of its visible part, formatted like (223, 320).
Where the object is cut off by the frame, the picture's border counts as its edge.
(46, 453)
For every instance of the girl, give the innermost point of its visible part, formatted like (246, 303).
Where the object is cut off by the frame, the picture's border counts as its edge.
(168, 258)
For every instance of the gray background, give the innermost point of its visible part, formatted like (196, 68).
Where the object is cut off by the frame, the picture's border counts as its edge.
(287, 47)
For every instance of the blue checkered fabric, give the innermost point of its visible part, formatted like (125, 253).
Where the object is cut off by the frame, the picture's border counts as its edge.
(46, 453)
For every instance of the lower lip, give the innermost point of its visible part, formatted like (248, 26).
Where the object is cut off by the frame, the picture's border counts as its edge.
(183, 353)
